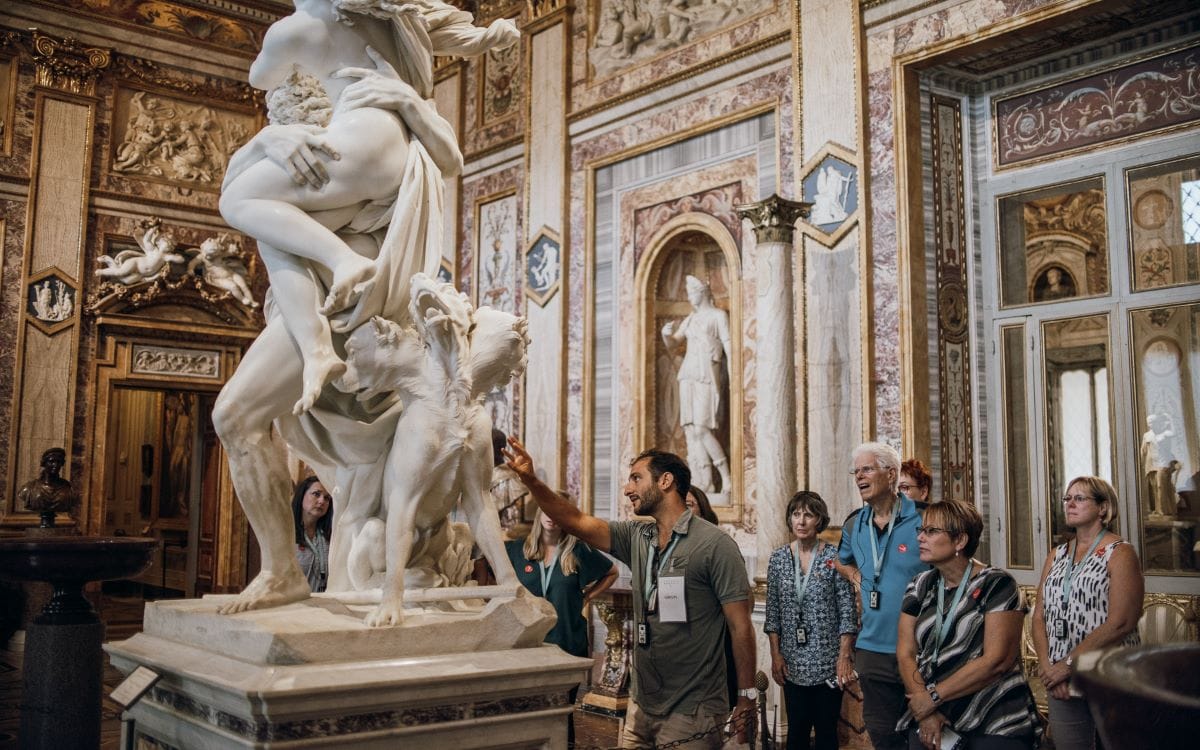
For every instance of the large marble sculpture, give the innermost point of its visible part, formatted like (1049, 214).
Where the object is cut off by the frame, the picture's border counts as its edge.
(704, 372)
(343, 192)
(1158, 470)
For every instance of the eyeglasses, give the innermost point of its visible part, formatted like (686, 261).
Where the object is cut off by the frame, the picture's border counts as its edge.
(905, 487)
(865, 470)
(931, 530)
(1077, 499)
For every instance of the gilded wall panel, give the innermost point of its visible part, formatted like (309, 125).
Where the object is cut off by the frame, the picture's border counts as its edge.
(174, 19)
(624, 46)
(19, 98)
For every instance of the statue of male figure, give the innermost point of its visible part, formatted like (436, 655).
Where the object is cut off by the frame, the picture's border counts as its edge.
(49, 493)
(706, 360)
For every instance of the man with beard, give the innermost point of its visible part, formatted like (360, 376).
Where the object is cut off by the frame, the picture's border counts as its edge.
(689, 584)
(878, 554)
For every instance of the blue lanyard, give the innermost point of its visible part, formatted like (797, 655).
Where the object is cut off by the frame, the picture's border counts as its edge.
(649, 585)
(801, 588)
(547, 571)
(878, 558)
(946, 618)
(1072, 571)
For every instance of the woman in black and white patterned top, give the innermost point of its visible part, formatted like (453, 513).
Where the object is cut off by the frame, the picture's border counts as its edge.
(958, 641)
(1090, 597)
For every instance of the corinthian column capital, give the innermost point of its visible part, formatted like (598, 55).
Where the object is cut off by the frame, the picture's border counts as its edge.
(774, 218)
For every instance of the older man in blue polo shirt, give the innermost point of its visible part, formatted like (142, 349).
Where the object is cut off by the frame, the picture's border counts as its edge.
(878, 554)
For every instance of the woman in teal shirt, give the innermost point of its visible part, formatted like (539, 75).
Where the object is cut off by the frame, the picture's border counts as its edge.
(566, 572)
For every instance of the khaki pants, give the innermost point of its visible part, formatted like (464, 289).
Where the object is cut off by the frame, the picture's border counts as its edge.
(647, 730)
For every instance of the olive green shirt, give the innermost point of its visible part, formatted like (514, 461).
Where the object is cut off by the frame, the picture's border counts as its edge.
(682, 668)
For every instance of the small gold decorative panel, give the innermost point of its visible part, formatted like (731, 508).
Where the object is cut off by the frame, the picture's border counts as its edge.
(1164, 223)
(1053, 243)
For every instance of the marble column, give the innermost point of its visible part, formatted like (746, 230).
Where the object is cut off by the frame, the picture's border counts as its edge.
(773, 221)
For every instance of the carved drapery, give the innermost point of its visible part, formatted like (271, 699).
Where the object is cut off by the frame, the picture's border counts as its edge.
(953, 331)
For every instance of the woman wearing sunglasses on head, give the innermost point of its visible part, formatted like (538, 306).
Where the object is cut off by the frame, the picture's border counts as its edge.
(1090, 597)
(958, 643)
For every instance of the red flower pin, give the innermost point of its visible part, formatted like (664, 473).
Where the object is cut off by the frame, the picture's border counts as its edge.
(975, 594)
(528, 568)
(829, 563)
(903, 548)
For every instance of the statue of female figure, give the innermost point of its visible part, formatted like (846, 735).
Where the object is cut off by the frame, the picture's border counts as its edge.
(704, 369)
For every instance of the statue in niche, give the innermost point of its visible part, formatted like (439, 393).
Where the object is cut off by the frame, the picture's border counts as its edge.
(362, 197)
(220, 260)
(1158, 470)
(1053, 283)
(49, 493)
(705, 368)
(133, 267)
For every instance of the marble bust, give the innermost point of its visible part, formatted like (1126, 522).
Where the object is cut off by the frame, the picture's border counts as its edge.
(49, 493)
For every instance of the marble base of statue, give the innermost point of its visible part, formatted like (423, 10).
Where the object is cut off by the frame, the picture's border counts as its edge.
(467, 669)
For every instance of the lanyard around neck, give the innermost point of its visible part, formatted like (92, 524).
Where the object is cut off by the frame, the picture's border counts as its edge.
(1073, 569)
(650, 584)
(802, 587)
(878, 557)
(548, 570)
(946, 618)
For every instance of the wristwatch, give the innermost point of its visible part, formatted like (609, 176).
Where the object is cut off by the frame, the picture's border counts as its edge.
(933, 693)
(750, 693)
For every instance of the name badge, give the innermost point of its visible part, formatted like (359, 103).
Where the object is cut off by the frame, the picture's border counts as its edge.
(1060, 628)
(873, 603)
(801, 636)
(672, 599)
(643, 634)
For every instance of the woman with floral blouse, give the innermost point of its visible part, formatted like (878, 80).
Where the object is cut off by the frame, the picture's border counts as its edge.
(811, 622)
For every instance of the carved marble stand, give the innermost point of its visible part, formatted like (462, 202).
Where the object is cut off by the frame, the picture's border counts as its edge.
(283, 679)
(610, 695)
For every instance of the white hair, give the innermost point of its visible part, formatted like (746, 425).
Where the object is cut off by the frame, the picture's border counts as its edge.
(886, 457)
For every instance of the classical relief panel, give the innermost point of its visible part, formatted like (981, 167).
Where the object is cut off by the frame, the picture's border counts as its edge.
(174, 19)
(622, 46)
(1143, 97)
(165, 139)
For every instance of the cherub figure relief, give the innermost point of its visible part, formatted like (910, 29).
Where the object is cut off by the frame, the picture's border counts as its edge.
(132, 267)
(220, 260)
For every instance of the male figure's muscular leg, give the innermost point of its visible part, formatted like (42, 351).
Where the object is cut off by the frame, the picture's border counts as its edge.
(265, 385)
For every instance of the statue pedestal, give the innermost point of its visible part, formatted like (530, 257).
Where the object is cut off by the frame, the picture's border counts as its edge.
(311, 673)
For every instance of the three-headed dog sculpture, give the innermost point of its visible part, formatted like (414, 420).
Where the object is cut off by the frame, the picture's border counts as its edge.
(441, 368)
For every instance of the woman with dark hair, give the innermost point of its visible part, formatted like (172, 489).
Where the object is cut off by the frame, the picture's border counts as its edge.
(1090, 598)
(811, 623)
(312, 512)
(697, 501)
(958, 641)
(915, 480)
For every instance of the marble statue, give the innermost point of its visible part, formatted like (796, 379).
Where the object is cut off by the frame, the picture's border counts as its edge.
(345, 212)
(220, 260)
(133, 267)
(49, 493)
(829, 204)
(1158, 471)
(704, 370)
(441, 367)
